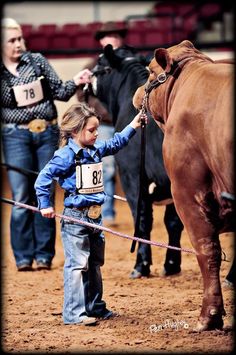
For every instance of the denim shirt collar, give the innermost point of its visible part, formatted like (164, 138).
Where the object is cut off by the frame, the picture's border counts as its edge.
(76, 148)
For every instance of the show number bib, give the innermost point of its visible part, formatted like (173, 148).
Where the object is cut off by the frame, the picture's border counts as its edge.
(89, 178)
(28, 94)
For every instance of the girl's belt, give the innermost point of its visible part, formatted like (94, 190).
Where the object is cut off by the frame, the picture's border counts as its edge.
(93, 211)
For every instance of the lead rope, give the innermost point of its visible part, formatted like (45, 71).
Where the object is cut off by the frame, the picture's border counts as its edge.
(142, 171)
(97, 226)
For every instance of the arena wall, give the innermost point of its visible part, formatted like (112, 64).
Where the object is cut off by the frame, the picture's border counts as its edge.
(60, 12)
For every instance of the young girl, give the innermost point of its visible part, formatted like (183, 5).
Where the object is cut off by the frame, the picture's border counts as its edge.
(77, 166)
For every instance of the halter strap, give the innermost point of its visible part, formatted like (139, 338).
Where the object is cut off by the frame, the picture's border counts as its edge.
(161, 78)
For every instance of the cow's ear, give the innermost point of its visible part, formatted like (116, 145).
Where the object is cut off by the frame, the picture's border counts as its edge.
(186, 43)
(163, 58)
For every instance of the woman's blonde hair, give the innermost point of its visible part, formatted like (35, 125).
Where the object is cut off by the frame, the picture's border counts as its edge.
(10, 23)
(74, 120)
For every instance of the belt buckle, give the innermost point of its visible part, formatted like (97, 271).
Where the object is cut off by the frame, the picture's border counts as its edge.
(37, 125)
(94, 211)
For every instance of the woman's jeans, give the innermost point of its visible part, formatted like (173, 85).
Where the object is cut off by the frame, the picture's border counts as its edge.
(106, 132)
(84, 255)
(32, 236)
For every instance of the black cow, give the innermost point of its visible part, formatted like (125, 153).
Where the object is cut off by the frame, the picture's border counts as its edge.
(115, 89)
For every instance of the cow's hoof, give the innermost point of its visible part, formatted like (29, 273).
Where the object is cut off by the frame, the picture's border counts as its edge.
(135, 274)
(200, 327)
(170, 272)
(213, 323)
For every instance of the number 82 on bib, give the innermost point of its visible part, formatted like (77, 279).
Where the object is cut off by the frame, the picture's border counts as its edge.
(89, 178)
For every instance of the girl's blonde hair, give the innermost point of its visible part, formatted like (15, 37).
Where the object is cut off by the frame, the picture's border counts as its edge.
(74, 120)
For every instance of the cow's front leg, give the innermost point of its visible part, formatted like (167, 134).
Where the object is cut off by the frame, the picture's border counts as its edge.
(204, 236)
(199, 211)
(199, 216)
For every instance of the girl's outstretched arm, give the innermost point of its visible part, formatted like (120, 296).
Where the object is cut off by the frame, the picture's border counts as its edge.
(136, 122)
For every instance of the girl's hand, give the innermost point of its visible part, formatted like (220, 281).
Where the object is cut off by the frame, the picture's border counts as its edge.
(136, 122)
(83, 77)
(48, 212)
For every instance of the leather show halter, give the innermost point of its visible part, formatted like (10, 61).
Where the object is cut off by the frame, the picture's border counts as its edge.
(175, 71)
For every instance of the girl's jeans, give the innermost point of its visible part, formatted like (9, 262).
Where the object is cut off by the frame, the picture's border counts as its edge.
(84, 255)
(32, 236)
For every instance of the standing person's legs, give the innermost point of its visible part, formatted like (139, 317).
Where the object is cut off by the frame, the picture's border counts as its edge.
(45, 228)
(109, 172)
(17, 150)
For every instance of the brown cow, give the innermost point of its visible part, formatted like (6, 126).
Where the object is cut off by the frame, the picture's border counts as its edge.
(190, 97)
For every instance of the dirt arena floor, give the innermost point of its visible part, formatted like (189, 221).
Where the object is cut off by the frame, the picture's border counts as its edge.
(156, 315)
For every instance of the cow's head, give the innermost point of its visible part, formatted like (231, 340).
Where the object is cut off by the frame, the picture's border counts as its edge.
(163, 61)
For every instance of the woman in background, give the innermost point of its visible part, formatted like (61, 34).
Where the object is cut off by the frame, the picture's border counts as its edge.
(29, 138)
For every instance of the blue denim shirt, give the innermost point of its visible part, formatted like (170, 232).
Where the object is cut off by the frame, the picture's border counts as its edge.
(62, 168)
